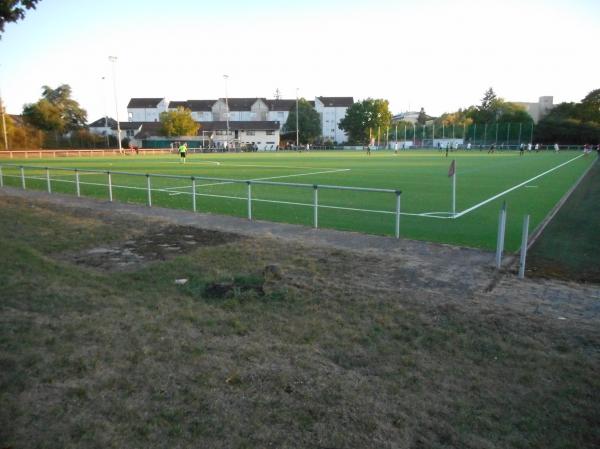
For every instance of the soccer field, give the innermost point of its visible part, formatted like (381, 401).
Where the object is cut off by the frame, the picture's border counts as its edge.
(530, 184)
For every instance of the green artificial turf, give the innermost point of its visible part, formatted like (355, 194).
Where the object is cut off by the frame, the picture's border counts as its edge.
(422, 176)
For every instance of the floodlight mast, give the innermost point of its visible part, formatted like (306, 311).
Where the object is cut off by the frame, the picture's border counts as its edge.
(297, 129)
(105, 113)
(113, 59)
(227, 113)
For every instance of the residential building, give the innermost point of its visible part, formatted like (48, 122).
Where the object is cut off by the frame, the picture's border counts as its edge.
(332, 110)
(146, 109)
(538, 110)
(408, 116)
(103, 126)
(254, 110)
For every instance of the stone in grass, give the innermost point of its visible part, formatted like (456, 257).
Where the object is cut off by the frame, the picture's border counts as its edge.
(181, 281)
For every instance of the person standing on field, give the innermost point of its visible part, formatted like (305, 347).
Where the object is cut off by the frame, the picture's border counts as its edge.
(556, 148)
(182, 151)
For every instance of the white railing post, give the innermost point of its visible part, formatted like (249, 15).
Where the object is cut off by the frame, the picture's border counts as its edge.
(501, 232)
(149, 190)
(110, 193)
(316, 206)
(398, 195)
(524, 238)
(23, 177)
(48, 180)
(77, 183)
(249, 200)
(194, 193)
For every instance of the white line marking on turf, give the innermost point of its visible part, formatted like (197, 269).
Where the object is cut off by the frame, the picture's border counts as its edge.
(337, 170)
(477, 206)
(193, 162)
(256, 179)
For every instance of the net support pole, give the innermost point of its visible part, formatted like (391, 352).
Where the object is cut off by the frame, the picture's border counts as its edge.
(398, 195)
(148, 184)
(48, 180)
(501, 232)
(194, 194)
(77, 183)
(316, 206)
(524, 238)
(110, 193)
(249, 200)
(23, 177)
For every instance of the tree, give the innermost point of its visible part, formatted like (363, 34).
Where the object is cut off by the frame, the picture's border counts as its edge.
(365, 118)
(309, 122)
(56, 111)
(178, 123)
(422, 117)
(488, 102)
(590, 107)
(572, 123)
(20, 136)
(14, 10)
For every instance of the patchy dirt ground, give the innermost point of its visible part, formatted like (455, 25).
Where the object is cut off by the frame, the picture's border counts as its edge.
(156, 244)
(444, 273)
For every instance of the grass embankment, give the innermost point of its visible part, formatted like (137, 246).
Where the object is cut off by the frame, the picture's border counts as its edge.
(306, 355)
(569, 248)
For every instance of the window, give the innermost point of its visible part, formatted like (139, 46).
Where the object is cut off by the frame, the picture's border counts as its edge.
(249, 133)
(270, 133)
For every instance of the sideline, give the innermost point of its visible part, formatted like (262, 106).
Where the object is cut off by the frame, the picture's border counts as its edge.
(477, 206)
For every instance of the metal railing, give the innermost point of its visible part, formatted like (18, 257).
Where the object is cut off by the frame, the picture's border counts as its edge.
(249, 183)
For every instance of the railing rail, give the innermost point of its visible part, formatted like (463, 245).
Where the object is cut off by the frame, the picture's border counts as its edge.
(250, 196)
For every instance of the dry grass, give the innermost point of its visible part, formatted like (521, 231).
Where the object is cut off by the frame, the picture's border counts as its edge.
(338, 350)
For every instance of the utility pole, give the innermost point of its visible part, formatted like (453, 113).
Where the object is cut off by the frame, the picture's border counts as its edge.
(113, 59)
(3, 123)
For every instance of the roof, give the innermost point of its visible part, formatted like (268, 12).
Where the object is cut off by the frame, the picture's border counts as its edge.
(280, 105)
(201, 105)
(337, 102)
(130, 125)
(242, 104)
(144, 103)
(101, 123)
(178, 104)
(149, 129)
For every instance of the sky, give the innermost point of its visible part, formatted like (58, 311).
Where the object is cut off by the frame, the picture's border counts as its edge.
(437, 54)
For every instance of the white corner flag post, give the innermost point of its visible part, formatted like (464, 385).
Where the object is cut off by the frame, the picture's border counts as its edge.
(452, 173)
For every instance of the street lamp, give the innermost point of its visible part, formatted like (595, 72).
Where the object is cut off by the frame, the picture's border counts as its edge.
(297, 129)
(113, 59)
(227, 113)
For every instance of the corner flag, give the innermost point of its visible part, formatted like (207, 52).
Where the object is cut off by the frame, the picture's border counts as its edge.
(452, 169)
